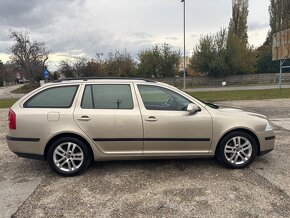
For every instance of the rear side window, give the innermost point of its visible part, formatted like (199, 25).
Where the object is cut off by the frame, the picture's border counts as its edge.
(56, 97)
(107, 97)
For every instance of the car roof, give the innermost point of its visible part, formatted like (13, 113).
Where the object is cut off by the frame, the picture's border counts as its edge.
(103, 79)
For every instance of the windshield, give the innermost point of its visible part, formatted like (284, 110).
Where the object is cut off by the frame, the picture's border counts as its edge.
(214, 106)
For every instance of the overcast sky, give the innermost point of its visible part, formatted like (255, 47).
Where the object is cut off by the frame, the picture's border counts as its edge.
(84, 27)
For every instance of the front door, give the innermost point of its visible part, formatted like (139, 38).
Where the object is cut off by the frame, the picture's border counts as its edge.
(110, 116)
(168, 127)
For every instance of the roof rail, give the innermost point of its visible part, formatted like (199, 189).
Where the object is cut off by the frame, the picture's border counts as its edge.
(100, 78)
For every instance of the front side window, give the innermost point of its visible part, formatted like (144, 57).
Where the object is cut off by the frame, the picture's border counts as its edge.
(159, 98)
(56, 97)
(107, 97)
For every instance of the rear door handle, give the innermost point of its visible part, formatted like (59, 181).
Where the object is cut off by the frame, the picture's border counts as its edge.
(151, 119)
(84, 118)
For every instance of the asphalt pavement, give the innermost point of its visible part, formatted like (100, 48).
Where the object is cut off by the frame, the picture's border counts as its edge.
(5, 92)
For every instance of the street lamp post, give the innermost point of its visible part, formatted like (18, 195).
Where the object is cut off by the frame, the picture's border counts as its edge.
(1, 65)
(183, 44)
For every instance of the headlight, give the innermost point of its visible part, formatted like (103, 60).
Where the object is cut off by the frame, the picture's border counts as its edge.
(269, 127)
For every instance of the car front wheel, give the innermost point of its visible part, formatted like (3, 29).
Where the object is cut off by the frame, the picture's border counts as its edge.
(237, 150)
(68, 156)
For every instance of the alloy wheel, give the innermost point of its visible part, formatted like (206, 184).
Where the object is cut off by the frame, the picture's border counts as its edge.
(238, 150)
(68, 157)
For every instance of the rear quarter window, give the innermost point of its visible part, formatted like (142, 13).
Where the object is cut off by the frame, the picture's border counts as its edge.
(55, 97)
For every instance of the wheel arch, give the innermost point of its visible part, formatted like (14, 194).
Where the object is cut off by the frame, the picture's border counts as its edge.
(72, 135)
(240, 130)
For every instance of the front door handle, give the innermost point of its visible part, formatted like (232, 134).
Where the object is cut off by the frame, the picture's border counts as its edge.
(84, 118)
(151, 119)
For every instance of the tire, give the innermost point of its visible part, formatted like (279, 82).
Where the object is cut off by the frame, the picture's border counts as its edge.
(237, 150)
(69, 156)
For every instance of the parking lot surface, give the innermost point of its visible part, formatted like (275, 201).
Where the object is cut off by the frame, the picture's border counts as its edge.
(155, 188)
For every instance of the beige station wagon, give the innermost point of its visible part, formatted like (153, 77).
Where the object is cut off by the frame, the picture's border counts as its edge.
(72, 122)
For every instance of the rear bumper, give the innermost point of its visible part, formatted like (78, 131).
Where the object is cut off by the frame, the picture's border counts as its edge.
(26, 147)
(17, 139)
(30, 156)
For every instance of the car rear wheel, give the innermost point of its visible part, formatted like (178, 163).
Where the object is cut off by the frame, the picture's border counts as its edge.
(68, 156)
(237, 150)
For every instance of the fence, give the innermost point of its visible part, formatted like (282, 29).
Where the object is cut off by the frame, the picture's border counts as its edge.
(237, 80)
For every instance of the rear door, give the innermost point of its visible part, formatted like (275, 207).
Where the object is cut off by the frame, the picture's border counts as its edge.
(110, 116)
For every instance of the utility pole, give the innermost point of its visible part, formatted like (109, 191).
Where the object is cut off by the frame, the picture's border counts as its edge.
(1, 66)
(280, 73)
(183, 44)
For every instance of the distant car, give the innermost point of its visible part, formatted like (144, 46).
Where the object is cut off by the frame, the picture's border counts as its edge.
(70, 123)
(21, 81)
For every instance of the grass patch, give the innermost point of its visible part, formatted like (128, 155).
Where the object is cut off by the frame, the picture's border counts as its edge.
(213, 96)
(26, 88)
(7, 103)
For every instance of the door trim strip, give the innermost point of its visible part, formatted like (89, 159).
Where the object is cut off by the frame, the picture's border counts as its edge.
(151, 139)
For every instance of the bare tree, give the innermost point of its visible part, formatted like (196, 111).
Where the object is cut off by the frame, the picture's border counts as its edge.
(30, 56)
(67, 69)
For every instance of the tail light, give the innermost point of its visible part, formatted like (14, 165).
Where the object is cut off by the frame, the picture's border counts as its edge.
(12, 119)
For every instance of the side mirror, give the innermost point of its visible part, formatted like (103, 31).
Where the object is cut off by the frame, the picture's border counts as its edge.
(192, 108)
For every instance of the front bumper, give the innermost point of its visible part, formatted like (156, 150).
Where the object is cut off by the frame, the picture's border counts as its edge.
(267, 141)
(265, 152)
